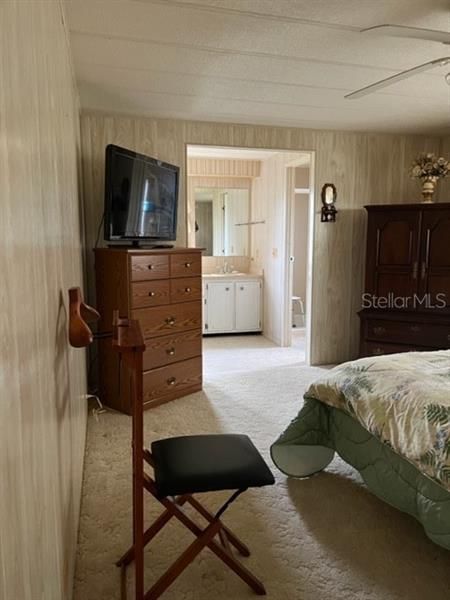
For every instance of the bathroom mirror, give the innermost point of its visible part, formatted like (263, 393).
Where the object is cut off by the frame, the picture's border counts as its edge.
(221, 221)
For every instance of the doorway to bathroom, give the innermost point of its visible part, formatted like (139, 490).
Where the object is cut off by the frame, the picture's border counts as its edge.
(241, 209)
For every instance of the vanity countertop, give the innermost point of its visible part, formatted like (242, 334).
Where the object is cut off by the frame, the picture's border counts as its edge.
(236, 275)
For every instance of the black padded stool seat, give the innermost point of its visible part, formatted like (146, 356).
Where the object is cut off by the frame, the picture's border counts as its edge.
(208, 463)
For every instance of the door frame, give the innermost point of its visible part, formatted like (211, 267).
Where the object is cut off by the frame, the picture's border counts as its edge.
(288, 253)
(287, 208)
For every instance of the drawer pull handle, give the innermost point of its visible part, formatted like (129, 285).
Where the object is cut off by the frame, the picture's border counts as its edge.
(423, 270)
(171, 381)
(170, 321)
(170, 351)
(187, 290)
(187, 265)
(150, 267)
(379, 330)
(151, 294)
(415, 328)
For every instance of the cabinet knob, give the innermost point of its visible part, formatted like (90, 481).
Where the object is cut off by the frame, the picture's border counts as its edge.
(241, 288)
(151, 294)
(171, 381)
(377, 351)
(187, 290)
(170, 351)
(379, 330)
(187, 265)
(150, 267)
(170, 321)
(415, 328)
(227, 289)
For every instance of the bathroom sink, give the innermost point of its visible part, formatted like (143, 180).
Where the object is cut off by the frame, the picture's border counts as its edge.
(232, 274)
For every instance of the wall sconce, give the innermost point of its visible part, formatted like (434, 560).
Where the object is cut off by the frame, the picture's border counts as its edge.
(328, 195)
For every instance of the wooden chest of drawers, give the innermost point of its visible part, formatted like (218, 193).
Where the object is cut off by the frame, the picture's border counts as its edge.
(407, 290)
(162, 289)
(405, 332)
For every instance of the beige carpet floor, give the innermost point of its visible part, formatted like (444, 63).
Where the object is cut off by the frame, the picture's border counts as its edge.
(325, 538)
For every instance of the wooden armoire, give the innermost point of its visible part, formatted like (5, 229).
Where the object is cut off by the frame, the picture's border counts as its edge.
(406, 304)
(162, 289)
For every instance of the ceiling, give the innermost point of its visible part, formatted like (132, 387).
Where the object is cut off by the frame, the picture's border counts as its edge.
(273, 62)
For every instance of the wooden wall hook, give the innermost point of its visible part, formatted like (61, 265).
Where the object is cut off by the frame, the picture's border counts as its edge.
(80, 314)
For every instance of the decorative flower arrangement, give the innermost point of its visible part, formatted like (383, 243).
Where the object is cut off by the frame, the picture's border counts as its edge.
(429, 169)
(429, 165)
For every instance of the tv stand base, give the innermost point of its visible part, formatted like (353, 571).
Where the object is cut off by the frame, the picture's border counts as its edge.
(136, 244)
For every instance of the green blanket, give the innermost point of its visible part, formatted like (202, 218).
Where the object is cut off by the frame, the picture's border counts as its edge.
(308, 445)
(403, 400)
(389, 417)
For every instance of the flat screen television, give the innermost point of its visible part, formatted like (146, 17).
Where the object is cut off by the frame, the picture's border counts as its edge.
(141, 197)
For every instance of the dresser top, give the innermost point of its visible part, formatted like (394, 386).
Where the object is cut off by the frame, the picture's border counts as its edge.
(412, 206)
(131, 250)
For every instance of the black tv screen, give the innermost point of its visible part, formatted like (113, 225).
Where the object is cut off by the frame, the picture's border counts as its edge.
(141, 196)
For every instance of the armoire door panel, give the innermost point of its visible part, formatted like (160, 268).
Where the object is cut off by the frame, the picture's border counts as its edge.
(393, 252)
(397, 286)
(436, 239)
(435, 258)
(437, 291)
(396, 244)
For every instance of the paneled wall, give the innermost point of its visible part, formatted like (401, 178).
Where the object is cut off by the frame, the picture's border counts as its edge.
(223, 167)
(42, 408)
(269, 251)
(216, 264)
(366, 168)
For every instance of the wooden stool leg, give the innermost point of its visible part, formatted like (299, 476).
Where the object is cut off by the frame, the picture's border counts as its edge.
(123, 583)
(232, 562)
(150, 533)
(218, 550)
(182, 562)
(162, 520)
(224, 540)
(225, 556)
(233, 539)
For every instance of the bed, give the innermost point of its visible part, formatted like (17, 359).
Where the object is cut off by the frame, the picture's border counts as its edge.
(389, 417)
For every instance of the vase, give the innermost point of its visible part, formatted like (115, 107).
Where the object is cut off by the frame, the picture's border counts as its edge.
(428, 189)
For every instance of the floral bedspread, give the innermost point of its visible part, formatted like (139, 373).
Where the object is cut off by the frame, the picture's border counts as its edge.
(402, 399)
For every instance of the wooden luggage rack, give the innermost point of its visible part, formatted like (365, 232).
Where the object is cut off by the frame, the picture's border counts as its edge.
(247, 470)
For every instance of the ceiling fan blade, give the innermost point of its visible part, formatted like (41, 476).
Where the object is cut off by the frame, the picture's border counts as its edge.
(419, 33)
(373, 87)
